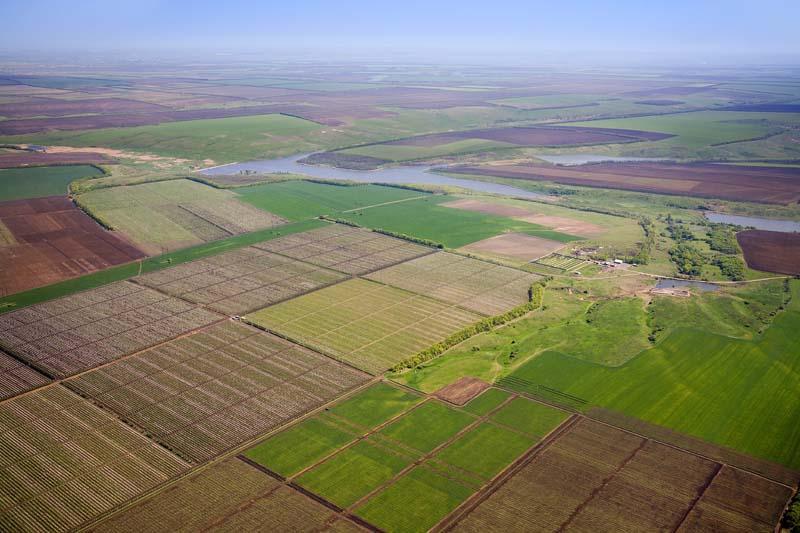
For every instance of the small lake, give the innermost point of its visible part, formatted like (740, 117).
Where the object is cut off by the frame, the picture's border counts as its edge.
(681, 283)
(769, 224)
(570, 160)
(407, 175)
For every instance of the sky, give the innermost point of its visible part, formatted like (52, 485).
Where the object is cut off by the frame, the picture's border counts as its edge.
(696, 30)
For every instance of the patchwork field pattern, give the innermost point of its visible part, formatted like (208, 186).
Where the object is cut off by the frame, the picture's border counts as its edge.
(202, 394)
(169, 215)
(46, 240)
(597, 477)
(423, 457)
(64, 461)
(229, 496)
(346, 249)
(240, 281)
(17, 377)
(476, 285)
(75, 333)
(369, 325)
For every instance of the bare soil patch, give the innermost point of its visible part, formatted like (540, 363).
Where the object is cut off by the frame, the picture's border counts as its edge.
(24, 158)
(517, 246)
(778, 185)
(771, 251)
(54, 241)
(461, 391)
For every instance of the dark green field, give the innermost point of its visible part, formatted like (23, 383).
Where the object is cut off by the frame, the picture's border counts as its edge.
(35, 182)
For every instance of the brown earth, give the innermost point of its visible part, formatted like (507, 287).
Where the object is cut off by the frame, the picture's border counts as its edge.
(563, 224)
(54, 241)
(462, 390)
(771, 251)
(536, 136)
(777, 185)
(36, 107)
(517, 246)
(24, 158)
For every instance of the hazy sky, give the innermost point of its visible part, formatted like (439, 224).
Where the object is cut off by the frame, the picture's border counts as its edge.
(692, 28)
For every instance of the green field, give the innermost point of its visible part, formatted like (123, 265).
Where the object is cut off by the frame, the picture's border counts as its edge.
(487, 401)
(736, 393)
(529, 417)
(375, 405)
(364, 323)
(454, 228)
(35, 182)
(298, 200)
(701, 128)
(486, 450)
(223, 140)
(427, 427)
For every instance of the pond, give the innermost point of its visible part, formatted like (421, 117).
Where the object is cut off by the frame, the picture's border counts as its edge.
(769, 224)
(407, 175)
(704, 286)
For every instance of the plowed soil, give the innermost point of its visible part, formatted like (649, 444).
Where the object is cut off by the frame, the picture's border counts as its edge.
(23, 158)
(771, 251)
(461, 391)
(54, 241)
(776, 185)
(517, 246)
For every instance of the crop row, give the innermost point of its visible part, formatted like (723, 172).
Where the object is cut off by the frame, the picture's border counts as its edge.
(65, 461)
(16, 378)
(563, 262)
(199, 396)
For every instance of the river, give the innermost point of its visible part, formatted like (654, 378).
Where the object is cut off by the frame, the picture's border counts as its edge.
(407, 175)
(769, 224)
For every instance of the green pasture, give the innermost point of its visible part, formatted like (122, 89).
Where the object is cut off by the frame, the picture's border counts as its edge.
(486, 401)
(375, 405)
(35, 182)
(454, 228)
(529, 417)
(298, 200)
(485, 450)
(427, 426)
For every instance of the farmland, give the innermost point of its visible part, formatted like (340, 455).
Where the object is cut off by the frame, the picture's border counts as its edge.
(475, 285)
(46, 240)
(771, 251)
(345, 249)
(765, 184)
(299, 200)
(429, 219)
(78, 332)
(421, 456)
(597, 477)
(202, 394)
(364, 323)
(228, 496)
(169, 215)
(751, 410)
(23, 183)
(243, 280)
(25, 158)
(92, 460)
(17, 377)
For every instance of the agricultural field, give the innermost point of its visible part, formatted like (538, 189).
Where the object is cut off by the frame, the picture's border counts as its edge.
(752, 410)
(428, 218)
(765, 184)
(597, 477)
(202, 394)
(75, 333)
(771, 251)
(299, 200)
(17, 377)
(364, 323)
(242, 280)
(228, 496)
(65, 462)
(565, 263)
(36, 182)
(418, 455)
(515, 247)
(479, 286)
(345, 249)
(168, 215)
(22, 159)
(47, 240)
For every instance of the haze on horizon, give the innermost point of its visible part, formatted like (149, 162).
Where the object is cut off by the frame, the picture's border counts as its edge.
(616, 32)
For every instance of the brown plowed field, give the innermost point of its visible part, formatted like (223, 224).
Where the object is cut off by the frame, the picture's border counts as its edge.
(24, 158)
(462, 390)
(516, 246)
(771, 251)
(775, 185)
(536, 136)
(598, 478)
(53, 107)
(54, 241)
